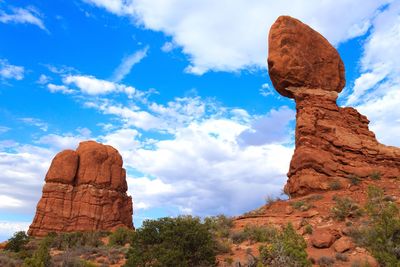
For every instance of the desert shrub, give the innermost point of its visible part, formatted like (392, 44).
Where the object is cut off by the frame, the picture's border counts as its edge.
(354, 179)
(308, 229)
(287, 249)
(223, 246)
(341, 257)
(229, 261)
(382, 237)
(219, 226)
(260, 233)
(375, 175)
(41, 257)
(314, 198)
(270, 200)
(344, 207)
(220, 229)
(335, 185)
(9, 260)
(301, 205)
(76, 239)
(325, 261)
(120, 237)
(359, 263)
(238, 237)
(17, 242)
(175, 242)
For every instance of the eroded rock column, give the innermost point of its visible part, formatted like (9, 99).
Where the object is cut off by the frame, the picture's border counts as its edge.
(333, 144)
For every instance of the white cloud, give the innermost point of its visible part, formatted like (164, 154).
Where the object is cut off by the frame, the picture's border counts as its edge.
(272, 128)
(231, 35)
(124, 140)
(376, 92)
(8, 71)
(92, 86)
(205, 171)
(36, 122)
(4, 129)
(59, 88)
(168, 47)
(266, 90)
(66, 141)
(130, 116)
(28, 15)
(43, 79)
(8, 228)
(9, 202)
(127, 63)
(22, 167)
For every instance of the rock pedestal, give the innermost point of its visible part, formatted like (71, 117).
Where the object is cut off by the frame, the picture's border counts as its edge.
(85, 190)
(333, 144)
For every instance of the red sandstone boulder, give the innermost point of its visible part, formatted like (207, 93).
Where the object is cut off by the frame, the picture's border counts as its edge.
(84, 191)
(63, 167)
(343, 244)
(301, 57)
(322, 238)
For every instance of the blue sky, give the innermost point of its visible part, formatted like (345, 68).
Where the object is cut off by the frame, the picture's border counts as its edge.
(180, 88)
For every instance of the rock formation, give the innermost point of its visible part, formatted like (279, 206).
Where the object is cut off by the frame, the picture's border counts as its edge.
(85, 190)
(333, 144)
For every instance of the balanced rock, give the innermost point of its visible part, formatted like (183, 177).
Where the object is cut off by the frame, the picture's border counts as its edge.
(298, 57)
(85, 190)
(333, 144)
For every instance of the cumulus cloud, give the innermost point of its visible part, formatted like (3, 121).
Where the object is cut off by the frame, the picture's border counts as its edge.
(127, 64)
(8, 228)
(271, 128)
(376, 92)
(8, 71)
(22, 167)
(231, 35)
(59, 88)
(29, 15)
(90, 85)
(202, 167)
(204, 171)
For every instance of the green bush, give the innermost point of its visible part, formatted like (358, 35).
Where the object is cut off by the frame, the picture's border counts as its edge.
(308, 229)
(17, 242)
(260, 233)
(121, 236)
(354, 179)
(287, 249)
(76, 239)
(335, 185)
(8, 259)
(219, 226)
(41, 257)
(344, 208)
(301, 205)
(172, 242)
(325, 261)
(375, 175)
(382, 237)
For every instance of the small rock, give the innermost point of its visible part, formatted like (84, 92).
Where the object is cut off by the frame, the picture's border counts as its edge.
(343, 244)
(310, 213)
(289, 210)
(347, 230)
(360, 250)
(322, 238)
